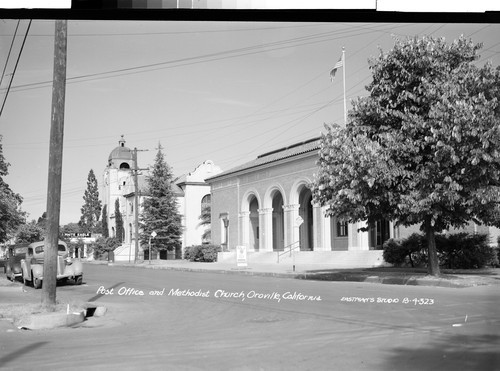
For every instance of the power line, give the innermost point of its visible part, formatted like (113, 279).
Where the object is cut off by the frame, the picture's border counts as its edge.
(15, 67)
(182, 62)
(10, 50)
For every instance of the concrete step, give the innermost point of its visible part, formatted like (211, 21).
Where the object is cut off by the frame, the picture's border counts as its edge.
(335, 259)
(124, 253)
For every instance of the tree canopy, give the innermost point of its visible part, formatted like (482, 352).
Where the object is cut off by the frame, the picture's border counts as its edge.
(423, 146)
(91, 209)
(160, 209)
(29, 232)
(11, 215)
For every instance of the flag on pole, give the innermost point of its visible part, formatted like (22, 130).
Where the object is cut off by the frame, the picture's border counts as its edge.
(339, 64)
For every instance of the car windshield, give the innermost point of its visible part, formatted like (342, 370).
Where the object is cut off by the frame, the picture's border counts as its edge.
(60, 248)
(20, 250)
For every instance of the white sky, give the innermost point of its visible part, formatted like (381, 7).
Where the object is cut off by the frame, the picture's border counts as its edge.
(223, 91)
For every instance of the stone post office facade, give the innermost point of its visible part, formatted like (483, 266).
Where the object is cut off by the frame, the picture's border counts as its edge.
(266, 205)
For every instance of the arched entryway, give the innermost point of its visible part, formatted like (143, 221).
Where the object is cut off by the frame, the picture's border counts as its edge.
(254, 223)
(278, 222)
(306, 213)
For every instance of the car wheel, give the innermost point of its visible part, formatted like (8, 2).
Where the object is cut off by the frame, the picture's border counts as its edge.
(79, 280)
(37, 282)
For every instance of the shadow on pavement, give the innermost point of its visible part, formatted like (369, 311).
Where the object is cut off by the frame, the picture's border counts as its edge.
(19, 353)
(98, 296)
(449, 352)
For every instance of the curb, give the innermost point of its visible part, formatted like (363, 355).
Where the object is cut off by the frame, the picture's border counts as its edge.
(46, 321)
(327, 276)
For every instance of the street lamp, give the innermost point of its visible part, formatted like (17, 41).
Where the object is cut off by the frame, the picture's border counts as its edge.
(153, 235)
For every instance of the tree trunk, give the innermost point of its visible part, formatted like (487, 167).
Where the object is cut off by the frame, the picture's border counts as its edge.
(433, 263)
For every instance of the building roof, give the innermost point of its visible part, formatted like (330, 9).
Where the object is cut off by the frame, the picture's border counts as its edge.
(274, 156)
(121, 152)
(143, 186)
(206, 169)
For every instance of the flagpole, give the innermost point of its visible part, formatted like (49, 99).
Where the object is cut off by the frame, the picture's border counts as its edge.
(343, 78)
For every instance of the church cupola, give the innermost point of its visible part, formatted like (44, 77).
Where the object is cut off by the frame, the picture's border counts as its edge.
(120, 157)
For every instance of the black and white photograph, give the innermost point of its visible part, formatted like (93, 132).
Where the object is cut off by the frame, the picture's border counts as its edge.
(217, 185)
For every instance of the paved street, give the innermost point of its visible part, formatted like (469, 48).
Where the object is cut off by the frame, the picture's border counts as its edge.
(213, 321)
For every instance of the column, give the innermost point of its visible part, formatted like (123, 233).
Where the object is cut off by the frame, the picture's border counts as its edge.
(244, 221)
(266, 229)
(318, 228)
(291, 229)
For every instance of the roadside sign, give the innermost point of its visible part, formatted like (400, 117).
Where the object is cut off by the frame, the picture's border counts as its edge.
(241, 256)
(299, 221)
(153, 234)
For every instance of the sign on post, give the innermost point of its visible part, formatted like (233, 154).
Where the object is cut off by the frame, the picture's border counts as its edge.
(241, 256)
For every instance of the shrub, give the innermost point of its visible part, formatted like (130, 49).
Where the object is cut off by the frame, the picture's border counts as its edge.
(202, 253)
(466, 251)
(410, 251)
(415, 247)
(455, 251)
(393, 252)
(103, 245)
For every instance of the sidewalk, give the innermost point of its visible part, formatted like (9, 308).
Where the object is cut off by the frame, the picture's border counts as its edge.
(324, 272)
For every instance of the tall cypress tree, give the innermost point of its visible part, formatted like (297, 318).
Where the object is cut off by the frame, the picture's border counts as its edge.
(160, 210)
(105, 231)
(118, 221)
(91, 209)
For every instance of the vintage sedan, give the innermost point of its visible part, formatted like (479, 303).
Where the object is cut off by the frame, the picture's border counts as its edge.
(13, 256)
(32, 265)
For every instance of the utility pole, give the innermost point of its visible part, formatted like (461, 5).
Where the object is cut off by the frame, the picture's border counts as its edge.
(55, 167)
(136, 203)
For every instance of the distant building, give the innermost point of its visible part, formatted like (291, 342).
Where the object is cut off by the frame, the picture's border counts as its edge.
(118, 183)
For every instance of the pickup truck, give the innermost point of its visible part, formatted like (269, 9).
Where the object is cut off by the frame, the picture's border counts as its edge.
(32, 265)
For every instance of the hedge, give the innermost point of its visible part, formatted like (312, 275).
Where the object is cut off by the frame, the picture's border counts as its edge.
(202, 253)
(455, 251)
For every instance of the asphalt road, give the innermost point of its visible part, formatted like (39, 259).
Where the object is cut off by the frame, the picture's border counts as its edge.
(210, 321)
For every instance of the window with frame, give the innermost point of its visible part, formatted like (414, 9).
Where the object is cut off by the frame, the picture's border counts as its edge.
(342, 230)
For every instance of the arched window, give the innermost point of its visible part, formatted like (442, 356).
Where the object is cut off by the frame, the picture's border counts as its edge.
(205, 201)
(124, 165)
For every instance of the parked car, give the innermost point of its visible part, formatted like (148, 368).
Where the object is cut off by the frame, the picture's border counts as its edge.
(32, 265)
(13, 256)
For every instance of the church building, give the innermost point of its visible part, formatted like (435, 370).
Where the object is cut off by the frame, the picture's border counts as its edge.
(191, 191)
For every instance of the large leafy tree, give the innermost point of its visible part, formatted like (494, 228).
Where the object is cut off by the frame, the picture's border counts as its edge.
(42, 221)
(29, 232)
(423, 147)
(91, 209)
(11, 215)
(120, 232)
(160, 210)
(68, 231)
